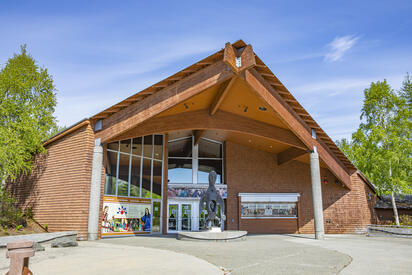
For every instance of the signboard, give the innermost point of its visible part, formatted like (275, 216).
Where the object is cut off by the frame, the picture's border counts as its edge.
(193, 191)
(126, 216)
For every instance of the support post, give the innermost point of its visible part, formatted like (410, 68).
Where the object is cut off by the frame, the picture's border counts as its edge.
(95, 187)
(316, 195)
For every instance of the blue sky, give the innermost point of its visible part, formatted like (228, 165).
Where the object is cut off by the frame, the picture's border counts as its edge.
(325, 52)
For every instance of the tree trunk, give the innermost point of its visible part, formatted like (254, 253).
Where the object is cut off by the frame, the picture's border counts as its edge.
(395, 210)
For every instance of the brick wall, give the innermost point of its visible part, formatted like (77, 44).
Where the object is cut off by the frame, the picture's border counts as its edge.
(58, 188)
(249, 170)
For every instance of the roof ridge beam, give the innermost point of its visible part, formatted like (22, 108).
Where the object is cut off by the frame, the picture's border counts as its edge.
(239, 62)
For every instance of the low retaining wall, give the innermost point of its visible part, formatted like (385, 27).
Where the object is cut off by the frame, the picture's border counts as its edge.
(389, 230)
(39, 238)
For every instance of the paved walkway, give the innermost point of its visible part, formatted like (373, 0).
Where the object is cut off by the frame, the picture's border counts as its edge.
(258, 254)
(102, 258)
(371, 255)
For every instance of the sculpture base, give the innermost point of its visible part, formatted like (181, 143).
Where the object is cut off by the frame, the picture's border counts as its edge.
(217, 236)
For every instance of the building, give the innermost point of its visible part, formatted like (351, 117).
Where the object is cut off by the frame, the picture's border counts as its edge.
(384, 208)
(140, 166)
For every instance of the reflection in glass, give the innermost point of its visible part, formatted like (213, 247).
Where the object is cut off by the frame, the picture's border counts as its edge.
(158, 147)
(157, 180)
(113, 146)
(206, 166)
(135, 177)
(125, 146)
(110, 181)
(123, 179)
(209, 149)
(180, 170)
(146, 178)
(147, 146)
(131, 171)
(269, 209)
(156, 216)
(181, 148)
(137, 146)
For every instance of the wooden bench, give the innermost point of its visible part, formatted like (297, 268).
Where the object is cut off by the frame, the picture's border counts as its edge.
(19, 253)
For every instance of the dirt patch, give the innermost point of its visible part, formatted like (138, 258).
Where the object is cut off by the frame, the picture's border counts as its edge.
(31, 228)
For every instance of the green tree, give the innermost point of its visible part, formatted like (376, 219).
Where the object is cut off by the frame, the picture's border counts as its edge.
(381, 147)
(27, 102)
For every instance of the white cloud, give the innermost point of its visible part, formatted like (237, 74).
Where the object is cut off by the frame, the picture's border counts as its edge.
(339, 46)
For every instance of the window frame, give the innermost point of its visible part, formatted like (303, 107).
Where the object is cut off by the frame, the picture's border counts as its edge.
(195, 159)
(142, 157)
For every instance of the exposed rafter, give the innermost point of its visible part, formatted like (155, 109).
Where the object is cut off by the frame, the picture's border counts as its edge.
(290, 154)
(170, 96)
(197, 135)
(220, 96)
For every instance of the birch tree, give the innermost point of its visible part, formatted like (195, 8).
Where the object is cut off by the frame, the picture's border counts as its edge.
(381, 147)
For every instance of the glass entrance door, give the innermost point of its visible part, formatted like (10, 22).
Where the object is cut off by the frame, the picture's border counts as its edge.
(182, 216)
(156, 221)
(172, 222)
(186, 217)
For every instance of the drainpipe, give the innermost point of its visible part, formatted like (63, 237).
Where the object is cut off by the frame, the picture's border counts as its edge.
(95, 186)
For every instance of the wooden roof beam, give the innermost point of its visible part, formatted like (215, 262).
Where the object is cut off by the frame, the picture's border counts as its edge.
(197, 135)
(239, 62)
(264, 90)
(220, 96)
(201, 120)
(164, 99)
(290, 154)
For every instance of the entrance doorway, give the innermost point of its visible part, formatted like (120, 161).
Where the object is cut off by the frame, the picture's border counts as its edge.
(182, 215)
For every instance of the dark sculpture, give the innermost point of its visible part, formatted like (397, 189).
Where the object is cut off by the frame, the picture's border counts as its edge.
(212, 198)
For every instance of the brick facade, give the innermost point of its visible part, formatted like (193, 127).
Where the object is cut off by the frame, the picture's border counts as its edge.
(58, 189)
(249, 170)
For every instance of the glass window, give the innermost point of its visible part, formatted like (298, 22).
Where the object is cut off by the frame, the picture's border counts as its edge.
(125, 146)
(123, 178)
(209, 149)
(113, 146)
(128, 173)
(180, 170)
(157, 180)
(135, 177)
(147, 146)
(137, 146)
(181, 148)
(268, 209)
(158, 147)
(206, 166)
(111, 166)
(146, 178)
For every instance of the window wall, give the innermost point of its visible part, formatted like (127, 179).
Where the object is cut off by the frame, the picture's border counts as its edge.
(268, 209)
(189, 163)
(134, 167)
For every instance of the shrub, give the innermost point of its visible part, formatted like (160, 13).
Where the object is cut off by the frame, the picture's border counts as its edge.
(405, 220)
(10, 214)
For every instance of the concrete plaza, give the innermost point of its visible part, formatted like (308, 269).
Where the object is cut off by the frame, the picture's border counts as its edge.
(258, 254)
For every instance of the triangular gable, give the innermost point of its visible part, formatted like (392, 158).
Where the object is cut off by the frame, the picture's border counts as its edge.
(214, 70)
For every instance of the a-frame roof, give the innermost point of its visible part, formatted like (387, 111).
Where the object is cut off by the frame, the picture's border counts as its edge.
(263, 71)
